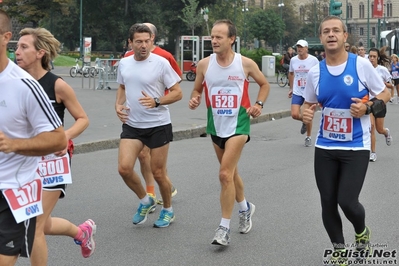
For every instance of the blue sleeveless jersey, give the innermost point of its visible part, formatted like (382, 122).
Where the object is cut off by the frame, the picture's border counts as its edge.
(338, 129)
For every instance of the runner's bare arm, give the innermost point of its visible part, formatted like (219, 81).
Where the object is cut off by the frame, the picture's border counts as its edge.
(195, 98)
(41, 144)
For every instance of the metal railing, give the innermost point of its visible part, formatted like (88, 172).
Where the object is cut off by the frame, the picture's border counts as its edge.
(106, 71)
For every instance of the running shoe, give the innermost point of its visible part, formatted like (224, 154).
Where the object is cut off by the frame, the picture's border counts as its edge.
(245, 223)
(142, 212)
(222, 236)
(153, 208)
(87, 244)
(173, 191)
(339, 260)
(388, 137)
(165, 219)
(373, 157)
(303, 128)
(362, 242)
(308, 142)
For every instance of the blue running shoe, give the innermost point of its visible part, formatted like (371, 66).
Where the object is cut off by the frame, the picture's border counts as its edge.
(165, 218)
(143, 211)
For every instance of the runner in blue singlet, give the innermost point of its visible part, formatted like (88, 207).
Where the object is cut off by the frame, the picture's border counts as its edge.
(341, 84)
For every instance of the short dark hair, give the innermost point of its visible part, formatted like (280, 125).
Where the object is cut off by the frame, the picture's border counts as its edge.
(138, 28)
(5, 22)
(232, 30)
(344, 28)
(231, 27)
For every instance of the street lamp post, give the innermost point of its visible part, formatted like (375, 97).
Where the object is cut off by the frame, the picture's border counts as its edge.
(314, 17)
(368, 24)
(245, 9)
(235, 8)
(205, 12)
(80, 34)
(281, 5)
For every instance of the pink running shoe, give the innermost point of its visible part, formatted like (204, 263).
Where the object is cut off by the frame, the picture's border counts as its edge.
(87, 244)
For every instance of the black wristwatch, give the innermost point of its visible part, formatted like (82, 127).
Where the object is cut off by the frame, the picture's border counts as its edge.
(259, 103)
(157, 102)
(368, 110)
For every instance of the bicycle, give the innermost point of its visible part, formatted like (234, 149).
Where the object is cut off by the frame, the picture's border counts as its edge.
(84, 70)
(282, 78)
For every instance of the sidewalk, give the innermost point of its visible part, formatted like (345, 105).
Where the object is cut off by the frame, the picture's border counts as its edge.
(105, 128)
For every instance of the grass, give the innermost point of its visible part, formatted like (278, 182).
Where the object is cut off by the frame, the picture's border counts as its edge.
(63, 60)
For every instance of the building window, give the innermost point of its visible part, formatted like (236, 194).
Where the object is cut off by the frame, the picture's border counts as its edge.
(373, 31)
(389, 9)
(361, 33)
(361, 10)
(349, 30)
(350, 11)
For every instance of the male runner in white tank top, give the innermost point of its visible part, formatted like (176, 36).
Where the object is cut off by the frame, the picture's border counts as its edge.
(224, 76)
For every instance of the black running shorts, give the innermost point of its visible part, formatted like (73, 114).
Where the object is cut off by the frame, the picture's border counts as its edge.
(154, 137)
(15, 239)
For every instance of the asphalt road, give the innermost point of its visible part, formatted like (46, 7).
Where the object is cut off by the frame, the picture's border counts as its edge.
(278, 175)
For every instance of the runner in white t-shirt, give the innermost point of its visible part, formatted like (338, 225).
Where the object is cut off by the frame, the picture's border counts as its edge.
(299, 68)
(377, 122)
(142, 106)
(29, 127)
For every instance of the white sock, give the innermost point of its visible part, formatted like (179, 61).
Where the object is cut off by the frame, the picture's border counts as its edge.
(225, 223)
(243, 205)
(170, 209)
(145, 200)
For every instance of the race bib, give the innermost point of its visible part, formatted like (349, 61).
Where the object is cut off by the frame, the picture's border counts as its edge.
(395, 74)
(55, 170)
(337, 124)
(224, 101)
(302, 83)
(25, 202)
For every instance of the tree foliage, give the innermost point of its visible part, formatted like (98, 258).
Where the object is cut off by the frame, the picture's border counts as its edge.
(107, 22)
(191, 15)
(35, 10)
(266, 25)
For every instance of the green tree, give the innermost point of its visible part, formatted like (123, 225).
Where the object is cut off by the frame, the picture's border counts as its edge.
(289, 14)
(314, 14)
(191, 15)
(266, 25)
(35, 10)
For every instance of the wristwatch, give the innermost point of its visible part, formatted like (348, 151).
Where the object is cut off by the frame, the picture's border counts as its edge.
(259, 103)
(157, 102)
(368, 110)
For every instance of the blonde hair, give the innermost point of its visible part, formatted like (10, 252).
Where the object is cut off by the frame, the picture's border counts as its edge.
(43, 40)
(395, 56)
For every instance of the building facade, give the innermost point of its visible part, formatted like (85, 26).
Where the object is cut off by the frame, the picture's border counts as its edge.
(358, 15)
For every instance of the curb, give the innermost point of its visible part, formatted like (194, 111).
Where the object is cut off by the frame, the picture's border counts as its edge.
(177, 135)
